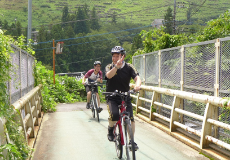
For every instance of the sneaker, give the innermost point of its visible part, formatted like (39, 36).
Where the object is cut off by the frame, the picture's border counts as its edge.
(88, 105)
(110, 134)
(100, 109)
(135, 145)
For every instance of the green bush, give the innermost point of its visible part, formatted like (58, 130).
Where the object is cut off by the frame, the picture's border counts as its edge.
(65, 90)
(18, 149)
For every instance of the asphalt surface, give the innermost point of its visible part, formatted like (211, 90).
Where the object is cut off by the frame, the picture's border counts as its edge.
(71, 133)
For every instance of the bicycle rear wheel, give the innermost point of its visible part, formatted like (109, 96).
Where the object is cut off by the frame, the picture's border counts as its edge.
(118, 146)
(92, 107)
(96, 107)
(129, 139)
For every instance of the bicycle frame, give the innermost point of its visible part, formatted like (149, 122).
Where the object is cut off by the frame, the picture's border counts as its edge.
(123, 134)
(94, 99)
(120, 122)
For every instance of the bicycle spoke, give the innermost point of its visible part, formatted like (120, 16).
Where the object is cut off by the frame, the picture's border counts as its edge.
(96, 107)
(118, 146)
(130, 148)
(92, 107)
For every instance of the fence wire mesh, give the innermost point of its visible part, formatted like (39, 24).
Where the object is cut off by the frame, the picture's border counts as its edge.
(152, 69)
(224, 86)
(139, 65)
(199, 70)
(22, 79)
(171, 67)
(199, 76)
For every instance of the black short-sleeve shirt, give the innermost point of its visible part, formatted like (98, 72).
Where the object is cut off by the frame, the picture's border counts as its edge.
(120, 81)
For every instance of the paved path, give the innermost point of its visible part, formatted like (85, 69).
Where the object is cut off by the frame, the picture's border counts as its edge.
(71, 133)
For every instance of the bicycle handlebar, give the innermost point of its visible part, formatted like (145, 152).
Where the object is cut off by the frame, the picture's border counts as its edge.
(116, 93)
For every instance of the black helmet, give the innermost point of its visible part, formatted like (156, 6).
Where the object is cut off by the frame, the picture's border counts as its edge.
(118, 49)
(97, 62)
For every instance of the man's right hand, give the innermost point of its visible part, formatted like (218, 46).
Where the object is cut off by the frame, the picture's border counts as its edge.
(120, 61)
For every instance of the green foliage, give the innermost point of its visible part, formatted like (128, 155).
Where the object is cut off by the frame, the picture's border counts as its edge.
(157, 39)
(217, 28)
(144, 11)
(168, 21)
(65, 90)
(18, 149)
(21, 44)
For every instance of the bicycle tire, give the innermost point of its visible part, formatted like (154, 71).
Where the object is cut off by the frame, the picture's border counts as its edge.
(130, 147)
(118, 146)
(96, 107)
(92, 107)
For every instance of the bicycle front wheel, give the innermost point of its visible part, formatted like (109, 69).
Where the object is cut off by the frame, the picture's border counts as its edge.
(96, 107)
(129, 139)
(118, 146)
(92, 107)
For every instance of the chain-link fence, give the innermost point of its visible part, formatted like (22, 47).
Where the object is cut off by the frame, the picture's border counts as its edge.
(198, 68)
(22, 79)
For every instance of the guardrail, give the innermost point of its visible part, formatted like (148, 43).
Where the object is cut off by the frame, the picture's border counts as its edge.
(28, 111)
(205, 139)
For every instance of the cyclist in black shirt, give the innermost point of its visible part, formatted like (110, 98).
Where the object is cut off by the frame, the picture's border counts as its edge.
(118, 76)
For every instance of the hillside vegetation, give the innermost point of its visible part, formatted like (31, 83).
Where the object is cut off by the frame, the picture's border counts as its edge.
(145, 11)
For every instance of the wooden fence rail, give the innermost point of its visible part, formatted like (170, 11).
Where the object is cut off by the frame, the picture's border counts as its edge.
(205, 136)
(29, 113)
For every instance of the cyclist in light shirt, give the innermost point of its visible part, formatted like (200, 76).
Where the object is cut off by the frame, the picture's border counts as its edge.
(91, 76)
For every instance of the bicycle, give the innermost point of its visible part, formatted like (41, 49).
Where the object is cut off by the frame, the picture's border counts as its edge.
(123, 135)
(93, 100)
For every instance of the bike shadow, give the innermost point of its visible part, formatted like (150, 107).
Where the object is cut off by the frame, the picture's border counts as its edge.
(101, 120)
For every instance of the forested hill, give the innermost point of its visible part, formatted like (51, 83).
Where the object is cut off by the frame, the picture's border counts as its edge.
(135, 11)
(90, 28)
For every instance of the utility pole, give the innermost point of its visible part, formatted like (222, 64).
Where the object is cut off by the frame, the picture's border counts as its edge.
(174, 18)
(54, 61)
(29, 20)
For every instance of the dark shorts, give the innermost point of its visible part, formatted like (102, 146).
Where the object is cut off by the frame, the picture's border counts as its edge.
(88, 88)
(112, 106)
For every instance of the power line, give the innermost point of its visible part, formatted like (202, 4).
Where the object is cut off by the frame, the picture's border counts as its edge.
(87, 60)
(94, 35)
(90, 42)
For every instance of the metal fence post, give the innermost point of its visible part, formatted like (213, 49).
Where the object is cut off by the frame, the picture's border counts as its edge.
(144, 69)
(216, 85)
(27, 72)
(159, 78)
(182, 81)
(20, 71)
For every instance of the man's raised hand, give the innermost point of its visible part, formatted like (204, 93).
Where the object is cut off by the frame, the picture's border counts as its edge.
(120, 61)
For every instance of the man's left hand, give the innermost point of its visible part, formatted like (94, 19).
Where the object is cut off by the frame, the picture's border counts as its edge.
(137, 88)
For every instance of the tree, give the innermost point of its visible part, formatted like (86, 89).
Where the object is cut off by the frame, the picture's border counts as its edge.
(137, 42)
(65, 16)
(81, 26)
(168, 21)
(1, 23)
(5, 25)
(86, 10)
(114, 18)
(189, 11)
(94, 23)
(18, 29)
